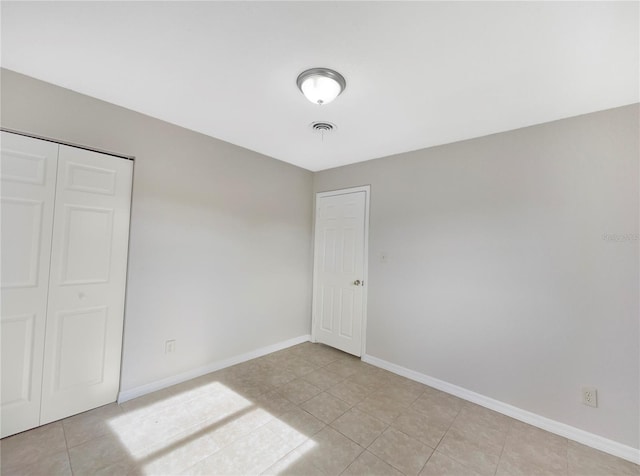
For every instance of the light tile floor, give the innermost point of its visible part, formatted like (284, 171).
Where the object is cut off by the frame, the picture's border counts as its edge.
(307, 410)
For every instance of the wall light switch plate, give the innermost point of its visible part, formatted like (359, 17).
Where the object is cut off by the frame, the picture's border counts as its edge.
(170, 347)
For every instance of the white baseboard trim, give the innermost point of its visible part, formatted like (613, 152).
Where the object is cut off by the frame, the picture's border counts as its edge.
(581, 436)
(136, 392)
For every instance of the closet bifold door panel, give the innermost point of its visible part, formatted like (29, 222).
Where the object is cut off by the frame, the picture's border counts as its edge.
(87, 283)
(27, 181)
(65, 235)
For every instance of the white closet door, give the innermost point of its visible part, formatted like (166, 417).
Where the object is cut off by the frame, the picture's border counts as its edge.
(87, 283)
(28, 177)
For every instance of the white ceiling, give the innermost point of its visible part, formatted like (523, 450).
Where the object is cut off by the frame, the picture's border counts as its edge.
(418, 73)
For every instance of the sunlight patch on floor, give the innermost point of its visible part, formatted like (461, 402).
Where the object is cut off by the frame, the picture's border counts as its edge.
(204, 423)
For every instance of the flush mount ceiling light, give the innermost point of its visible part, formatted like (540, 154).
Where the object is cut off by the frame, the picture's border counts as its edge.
(321, 85)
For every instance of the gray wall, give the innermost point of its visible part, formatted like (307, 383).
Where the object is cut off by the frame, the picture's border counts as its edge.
(498, 278)
(220, 235)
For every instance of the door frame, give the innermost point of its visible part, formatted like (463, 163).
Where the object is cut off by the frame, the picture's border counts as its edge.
(365, 260)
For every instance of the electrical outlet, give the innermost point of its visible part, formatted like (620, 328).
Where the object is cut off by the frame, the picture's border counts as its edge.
(170, 347)
(590, 396)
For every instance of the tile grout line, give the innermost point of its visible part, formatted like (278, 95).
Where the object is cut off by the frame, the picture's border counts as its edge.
(66, 445)
(448, 428)
(445, 434)
(502, 449)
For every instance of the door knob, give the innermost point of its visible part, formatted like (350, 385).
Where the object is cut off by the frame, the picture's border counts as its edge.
(357, 282)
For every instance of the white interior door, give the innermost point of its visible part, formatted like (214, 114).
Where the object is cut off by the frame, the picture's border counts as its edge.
(28, 180)
(87, 283)
(339, 269)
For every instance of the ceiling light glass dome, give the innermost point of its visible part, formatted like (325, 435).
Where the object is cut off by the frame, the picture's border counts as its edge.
(321, 85)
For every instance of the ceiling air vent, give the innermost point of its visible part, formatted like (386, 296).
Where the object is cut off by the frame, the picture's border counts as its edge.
(322, 127)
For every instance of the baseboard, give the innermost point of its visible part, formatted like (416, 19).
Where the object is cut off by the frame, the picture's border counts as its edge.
(136, 392)
(581, 436)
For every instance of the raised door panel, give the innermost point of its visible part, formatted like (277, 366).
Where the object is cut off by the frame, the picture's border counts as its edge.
(339, 263)
(17, 342)
(80, 348)
(21, 237)
(86, 245)
(87, 283)
(28, 179)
